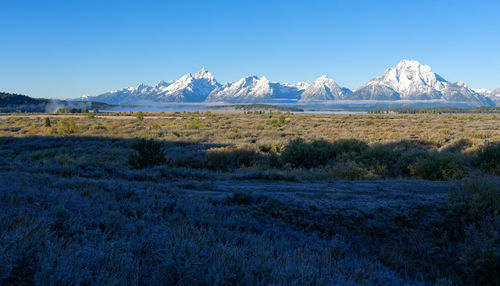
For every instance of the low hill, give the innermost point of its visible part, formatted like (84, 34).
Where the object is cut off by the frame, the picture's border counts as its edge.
(10, 102)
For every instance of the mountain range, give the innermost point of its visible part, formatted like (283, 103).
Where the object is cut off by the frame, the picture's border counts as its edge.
(408, 81)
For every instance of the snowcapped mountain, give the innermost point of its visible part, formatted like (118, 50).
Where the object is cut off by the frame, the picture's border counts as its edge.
(493, 95)
(256, 89)
(411, 80)
(251, 88)
(129, 95)
(324, 88)
(407, 82)
(188, 88)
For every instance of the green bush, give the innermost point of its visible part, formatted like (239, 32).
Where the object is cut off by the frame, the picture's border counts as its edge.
(350, 147)
(488, 157)
(473, 199)
(383, 158)
(281, 120)
(472, 223)
(349, 170)
(299, 153)
(66, 126)
(139, 116)
(230, 159)
(195, 123)
(407, 159)
(274, 160)
(438, 166)
(148, 153)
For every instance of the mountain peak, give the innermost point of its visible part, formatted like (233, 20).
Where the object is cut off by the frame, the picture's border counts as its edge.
(406, 62)
(412, 66)
(204, 73)
(410, 79)
(141, 86)
(323, 88)
(324, 79)
(162, 83)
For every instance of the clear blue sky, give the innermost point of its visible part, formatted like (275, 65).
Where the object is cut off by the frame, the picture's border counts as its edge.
(65, 49)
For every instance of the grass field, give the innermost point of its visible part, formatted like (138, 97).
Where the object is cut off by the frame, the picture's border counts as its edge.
(249, 198)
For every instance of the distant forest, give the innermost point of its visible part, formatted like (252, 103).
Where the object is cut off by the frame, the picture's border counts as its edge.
(261, 106)
(11, 102)
(437, 110)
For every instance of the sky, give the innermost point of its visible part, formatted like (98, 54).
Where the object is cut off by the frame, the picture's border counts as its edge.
(66, 49)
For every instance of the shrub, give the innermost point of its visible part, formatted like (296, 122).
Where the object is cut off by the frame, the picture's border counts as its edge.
(272, 147)
(473, 199)
(349, 170)
(472, 221)
(299, 153)
(47, 122)
(148, 153)
(276, 122)
(281, 120)
(383, 158)
(139, 116)
(274, 160)
(190, 161)
(407, 159)
(488, 157)
(230, 159)
(66, 126)
(438, 166)
(349, 146)
(459, 145)
(195, 123)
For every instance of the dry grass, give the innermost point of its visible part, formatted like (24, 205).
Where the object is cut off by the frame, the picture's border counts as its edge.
(243, 128)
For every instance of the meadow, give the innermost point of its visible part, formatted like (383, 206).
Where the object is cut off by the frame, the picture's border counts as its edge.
(249, 198)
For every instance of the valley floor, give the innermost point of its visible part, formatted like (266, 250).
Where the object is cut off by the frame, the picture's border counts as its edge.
(74, 210)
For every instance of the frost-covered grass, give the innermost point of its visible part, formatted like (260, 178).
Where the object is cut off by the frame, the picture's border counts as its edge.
(232, 206)
(57, 230)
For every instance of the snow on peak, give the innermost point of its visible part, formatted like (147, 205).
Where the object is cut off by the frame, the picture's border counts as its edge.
(256, 89)
(301, 85)
(190, 88)
(324, 88)
(251, 86)
(484, 91)
(324, 80)
(494, 95)
(141, 86)
(410, 78)
(204, 73)
(162, 83)
(412, 64)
